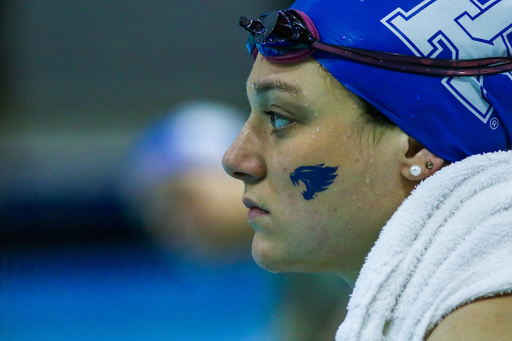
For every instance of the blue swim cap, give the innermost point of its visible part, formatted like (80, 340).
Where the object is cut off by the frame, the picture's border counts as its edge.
(454, 117)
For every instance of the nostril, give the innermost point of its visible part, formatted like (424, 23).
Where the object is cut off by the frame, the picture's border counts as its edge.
(239, 175)
(243, 160)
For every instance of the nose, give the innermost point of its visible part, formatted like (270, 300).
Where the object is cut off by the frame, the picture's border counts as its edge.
(244, 159)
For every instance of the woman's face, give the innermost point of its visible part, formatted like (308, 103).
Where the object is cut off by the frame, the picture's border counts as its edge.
(319, 181)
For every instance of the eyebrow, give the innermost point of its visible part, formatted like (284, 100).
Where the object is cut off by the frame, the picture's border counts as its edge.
(279, 85)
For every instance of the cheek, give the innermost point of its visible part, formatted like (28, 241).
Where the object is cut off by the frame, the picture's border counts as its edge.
(306, 180)
(307, 220)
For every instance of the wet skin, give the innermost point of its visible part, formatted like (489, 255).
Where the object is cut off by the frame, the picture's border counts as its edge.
(301, 116)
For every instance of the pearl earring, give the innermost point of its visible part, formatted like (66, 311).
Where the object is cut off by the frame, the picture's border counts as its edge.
(415, 170)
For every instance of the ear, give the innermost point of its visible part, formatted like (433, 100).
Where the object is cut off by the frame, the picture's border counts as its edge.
(418, 155)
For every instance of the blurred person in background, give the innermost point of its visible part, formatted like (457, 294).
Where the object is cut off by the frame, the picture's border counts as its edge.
(176, 190)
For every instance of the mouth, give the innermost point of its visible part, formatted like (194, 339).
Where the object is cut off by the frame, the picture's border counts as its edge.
(255, 211)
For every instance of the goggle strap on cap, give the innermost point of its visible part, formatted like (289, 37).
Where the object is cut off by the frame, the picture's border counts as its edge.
(303, 40)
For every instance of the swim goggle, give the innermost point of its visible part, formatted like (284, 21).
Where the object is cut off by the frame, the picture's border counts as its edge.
(289, 35)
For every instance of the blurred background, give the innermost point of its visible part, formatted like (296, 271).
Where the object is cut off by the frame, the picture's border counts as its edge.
(82, 83)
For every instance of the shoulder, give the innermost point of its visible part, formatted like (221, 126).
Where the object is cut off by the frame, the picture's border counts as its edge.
(488, 319)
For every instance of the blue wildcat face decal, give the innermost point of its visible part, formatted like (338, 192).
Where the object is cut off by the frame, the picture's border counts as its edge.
(315, 178)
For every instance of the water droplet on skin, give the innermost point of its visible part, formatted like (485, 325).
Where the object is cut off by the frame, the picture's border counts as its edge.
(317, 129)
(367, 179)
(371, 161)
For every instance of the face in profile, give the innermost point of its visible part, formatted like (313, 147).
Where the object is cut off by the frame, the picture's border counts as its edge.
(319, 182)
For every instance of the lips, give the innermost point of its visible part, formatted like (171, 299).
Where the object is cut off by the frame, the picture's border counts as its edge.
(255, 211)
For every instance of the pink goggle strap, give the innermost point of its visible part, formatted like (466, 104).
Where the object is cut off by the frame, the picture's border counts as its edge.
(299, 55)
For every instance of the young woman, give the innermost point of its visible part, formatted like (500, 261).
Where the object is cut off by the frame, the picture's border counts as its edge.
(368, 154)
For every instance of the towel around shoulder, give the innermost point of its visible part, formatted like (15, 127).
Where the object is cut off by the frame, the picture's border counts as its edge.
(449, 244)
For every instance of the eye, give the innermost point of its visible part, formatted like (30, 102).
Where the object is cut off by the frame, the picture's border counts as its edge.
(278, 122)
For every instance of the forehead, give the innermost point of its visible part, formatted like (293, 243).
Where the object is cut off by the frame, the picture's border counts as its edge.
(294, 78)
(303, 80)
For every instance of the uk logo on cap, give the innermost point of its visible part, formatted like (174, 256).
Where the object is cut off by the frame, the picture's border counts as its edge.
(458, 29)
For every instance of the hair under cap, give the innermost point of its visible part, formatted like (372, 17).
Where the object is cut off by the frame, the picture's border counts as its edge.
(454, 117)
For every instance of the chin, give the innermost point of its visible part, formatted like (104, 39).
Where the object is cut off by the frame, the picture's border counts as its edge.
(271, 258)
(264, 254)
(267, 263)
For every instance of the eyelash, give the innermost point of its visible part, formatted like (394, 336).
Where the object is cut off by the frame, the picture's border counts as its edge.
(272, 117)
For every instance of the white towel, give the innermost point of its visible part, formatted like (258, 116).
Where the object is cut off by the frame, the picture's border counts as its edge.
(447, 245)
